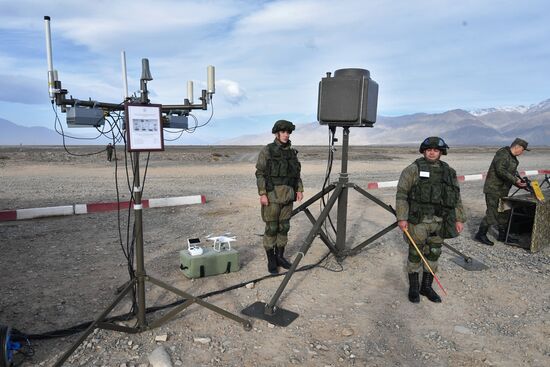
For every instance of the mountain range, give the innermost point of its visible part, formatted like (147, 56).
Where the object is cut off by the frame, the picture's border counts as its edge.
(13, 134)
(491, 126)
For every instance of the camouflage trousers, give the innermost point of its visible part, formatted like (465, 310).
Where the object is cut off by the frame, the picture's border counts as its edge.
(426, 238)
(492, 215)
(277, 224)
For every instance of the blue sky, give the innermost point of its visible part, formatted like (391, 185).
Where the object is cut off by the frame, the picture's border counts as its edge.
(427, 56)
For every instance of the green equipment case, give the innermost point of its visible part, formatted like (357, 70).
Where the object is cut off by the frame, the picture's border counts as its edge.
(210, 262)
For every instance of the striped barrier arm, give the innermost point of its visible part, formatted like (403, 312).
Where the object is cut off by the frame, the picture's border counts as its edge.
(31, 213)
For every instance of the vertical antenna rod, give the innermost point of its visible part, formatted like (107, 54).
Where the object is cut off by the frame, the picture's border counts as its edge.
(51, 73)
(124, 74)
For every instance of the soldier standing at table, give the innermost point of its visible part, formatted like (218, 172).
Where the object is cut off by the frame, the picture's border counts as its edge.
(500, 178)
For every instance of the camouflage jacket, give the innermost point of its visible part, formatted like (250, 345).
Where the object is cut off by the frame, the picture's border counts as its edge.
(408, 178)
(500, 177)
(280, 194)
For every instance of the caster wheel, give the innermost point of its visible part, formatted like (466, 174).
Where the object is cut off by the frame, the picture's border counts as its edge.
(5, 358)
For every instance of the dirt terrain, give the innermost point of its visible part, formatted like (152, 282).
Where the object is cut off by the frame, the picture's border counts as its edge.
(58, 272)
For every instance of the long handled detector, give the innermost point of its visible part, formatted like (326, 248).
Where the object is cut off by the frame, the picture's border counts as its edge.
(424, 259)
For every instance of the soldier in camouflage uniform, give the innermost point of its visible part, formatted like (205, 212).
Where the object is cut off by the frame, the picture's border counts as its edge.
(429, 206)
(279, 185)
(500, 178)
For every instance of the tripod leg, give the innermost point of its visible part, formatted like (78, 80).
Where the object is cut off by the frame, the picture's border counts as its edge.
(354, 251)
(466, 258)
(313, 199)
(467, 262)
(322, 234)
(374, 198)
(93, 325)
(192, 299)
(160, 321)
(269, 308)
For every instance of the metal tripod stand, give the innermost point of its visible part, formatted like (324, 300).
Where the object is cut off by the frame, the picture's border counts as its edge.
(139, 278)
(138, 281)
(281, 317)
(278, 316)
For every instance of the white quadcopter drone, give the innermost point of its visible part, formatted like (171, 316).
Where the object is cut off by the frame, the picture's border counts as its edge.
(221, 242)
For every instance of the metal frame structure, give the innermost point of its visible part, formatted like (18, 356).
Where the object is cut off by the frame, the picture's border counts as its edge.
(140, 276)
(279, 316)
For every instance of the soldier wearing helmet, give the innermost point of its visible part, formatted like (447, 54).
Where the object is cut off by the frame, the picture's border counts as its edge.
(500, 178)
(279, 185)
(429, 206)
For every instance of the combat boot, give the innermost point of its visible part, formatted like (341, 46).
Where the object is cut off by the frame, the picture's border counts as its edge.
(281, 261)
(414, 296)
(481, 235)
(502, 236)
(427, 290)
(271, 261)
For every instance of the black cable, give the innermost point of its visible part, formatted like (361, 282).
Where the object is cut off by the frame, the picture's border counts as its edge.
(145, 173)
(61, 132)
(328, 171)
(211, 115)
(130, 315)
(174, 132)
(130, 244)
(118, 201)
(192, 129)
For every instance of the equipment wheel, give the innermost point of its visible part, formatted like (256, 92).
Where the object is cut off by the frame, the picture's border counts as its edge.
(5, 353)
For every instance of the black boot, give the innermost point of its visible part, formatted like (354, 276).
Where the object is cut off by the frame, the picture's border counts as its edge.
(481, 235)
(271, 261)
(414, 296)
(281, 261)
(502, 236)
(427, 290)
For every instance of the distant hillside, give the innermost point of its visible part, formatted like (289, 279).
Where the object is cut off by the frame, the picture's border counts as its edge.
(12, 134)
(494, 126)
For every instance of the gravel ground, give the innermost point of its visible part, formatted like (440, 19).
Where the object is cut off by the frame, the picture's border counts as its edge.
(62, 271)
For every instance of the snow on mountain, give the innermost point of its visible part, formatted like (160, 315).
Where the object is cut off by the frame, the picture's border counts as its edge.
(538, 107)
(486, 111)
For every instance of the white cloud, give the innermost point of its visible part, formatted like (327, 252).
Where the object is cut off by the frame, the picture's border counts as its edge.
(270, 55)
(23, 89)
(231, 91)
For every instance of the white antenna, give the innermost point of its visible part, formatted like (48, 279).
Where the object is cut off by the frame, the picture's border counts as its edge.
(52, 74)
(124, 74)
(190, 91)
(210, 71)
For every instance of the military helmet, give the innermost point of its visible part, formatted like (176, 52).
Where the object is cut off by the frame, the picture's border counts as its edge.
(434, 142)
(283, 125)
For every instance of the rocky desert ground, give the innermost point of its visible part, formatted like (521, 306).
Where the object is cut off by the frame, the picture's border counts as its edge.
(57, 272)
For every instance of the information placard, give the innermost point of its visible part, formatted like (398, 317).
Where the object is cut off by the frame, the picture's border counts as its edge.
(144, 127)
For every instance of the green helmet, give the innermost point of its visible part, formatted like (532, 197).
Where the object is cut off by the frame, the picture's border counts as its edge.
(434, 142)
(283, 125)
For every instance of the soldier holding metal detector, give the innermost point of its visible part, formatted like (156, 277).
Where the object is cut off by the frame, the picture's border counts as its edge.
(500, 178)
(279, 185)
(429, 210)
